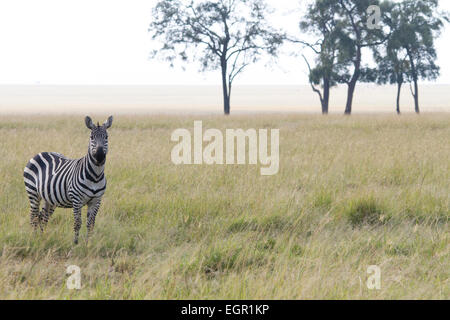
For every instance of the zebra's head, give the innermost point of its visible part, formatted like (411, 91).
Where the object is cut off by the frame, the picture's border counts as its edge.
(98, 143)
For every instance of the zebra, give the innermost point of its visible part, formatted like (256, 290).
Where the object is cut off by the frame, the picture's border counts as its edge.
(67, 183)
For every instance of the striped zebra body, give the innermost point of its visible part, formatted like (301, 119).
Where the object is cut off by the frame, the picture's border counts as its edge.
(61, 182)
(67, 183)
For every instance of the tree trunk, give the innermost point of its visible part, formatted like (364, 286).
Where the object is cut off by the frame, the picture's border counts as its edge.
(399, 90)
(326, 96)
(415, 79)
(416, 96)
(226, 95)
(353, 81)
(350, 94)
(226, 105)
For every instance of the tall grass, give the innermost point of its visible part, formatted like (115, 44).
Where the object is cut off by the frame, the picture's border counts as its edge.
(351, 192)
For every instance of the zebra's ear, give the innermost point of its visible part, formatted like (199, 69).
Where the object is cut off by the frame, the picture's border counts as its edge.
(108, 122)
(89, 122)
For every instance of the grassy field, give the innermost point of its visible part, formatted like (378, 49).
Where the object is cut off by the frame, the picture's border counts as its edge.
(351, 192)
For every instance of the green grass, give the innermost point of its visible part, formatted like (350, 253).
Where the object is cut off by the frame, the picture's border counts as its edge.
(351, 192)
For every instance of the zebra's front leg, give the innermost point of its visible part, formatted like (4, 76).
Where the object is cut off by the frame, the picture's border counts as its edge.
(77, 222)
(34, 214)
(93, 207)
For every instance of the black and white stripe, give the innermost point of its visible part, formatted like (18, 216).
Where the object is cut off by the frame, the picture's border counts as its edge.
(67, 183)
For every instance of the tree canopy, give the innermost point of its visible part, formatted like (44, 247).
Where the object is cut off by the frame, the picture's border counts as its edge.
(230, 35)
(320, 21)
(219, 34)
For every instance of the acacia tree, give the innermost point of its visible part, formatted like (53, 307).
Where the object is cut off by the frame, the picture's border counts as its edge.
(391, 58)
(320, 21)
(356, 36)
(420, 24)
(221, 34)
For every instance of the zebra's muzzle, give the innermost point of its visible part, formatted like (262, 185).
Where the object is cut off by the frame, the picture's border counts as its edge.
(100, 155)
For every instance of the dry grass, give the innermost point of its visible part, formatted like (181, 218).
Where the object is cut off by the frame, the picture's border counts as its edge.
(351, 192)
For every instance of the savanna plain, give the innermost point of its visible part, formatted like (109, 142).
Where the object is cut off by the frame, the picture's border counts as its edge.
(351, 192)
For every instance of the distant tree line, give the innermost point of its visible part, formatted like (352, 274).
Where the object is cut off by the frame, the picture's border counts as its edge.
(229, 35)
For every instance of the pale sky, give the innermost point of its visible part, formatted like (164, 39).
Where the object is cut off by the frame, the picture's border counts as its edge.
(104, 42)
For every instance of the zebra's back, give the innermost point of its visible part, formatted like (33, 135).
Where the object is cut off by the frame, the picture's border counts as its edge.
(48, 175)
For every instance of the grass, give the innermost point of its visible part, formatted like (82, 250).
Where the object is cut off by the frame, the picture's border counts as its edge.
(351, 192)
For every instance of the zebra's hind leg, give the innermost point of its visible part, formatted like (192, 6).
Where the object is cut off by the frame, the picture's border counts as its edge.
(45, 214)
(35, 202)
